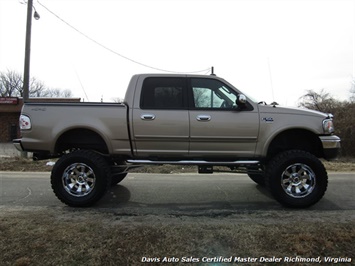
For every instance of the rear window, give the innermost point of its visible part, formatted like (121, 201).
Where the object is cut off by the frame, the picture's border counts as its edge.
(164, 93)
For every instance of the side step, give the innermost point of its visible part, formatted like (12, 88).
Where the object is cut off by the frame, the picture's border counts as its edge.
(205, 167)
(187, 162)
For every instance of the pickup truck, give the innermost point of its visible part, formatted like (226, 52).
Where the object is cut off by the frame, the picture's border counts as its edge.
(197, 120)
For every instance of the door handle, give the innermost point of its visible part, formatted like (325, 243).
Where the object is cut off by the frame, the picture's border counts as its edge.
(203, 118)
(147, 117)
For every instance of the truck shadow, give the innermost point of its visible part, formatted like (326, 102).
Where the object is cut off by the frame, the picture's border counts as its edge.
(119, 199)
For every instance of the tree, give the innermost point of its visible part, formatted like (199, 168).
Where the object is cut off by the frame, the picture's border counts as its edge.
(11, 85)
(321, 101)
(58, 93)
(117, 99)
(343, 111)
(37, 89)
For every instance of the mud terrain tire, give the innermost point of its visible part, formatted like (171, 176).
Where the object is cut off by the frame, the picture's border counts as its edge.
(296, 178)
(80, 178)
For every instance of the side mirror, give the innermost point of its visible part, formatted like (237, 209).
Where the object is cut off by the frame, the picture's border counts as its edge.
(241, 100)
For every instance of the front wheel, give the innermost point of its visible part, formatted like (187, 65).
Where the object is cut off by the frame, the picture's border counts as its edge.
(296, 178)
(80, 178)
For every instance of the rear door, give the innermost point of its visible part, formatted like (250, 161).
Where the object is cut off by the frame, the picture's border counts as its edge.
(161, 121)
(218, 127)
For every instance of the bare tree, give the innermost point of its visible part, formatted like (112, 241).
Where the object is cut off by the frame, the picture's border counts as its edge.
(117, 99)
(11, 85)
(343, 111)
(58, 93)
(66, 93)
(321, 101)
(37, 88)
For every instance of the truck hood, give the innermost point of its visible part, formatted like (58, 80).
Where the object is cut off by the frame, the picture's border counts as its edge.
(291, 111)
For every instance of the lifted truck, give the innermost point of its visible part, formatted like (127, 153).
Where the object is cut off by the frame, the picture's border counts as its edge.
(180, 119)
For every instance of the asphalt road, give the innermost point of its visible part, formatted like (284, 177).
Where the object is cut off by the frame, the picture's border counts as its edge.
(191, 194)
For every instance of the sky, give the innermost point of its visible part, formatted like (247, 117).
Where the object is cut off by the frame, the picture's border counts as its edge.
(273, 50)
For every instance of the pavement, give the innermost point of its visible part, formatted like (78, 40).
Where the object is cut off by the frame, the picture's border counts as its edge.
(174, 194)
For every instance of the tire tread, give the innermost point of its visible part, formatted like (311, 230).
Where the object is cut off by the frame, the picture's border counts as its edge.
(99, 162)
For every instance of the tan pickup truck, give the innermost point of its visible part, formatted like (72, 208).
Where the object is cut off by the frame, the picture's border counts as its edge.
(180, 119)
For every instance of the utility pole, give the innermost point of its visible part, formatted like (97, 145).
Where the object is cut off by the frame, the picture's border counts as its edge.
(26, 73)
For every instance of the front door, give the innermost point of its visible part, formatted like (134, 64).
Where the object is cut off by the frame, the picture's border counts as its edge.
(218, 127)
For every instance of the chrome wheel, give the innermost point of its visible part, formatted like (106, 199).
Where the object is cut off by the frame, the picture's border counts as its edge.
(79, 179)
(298, 180)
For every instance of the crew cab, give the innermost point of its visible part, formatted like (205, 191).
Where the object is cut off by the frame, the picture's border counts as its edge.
(197, 120)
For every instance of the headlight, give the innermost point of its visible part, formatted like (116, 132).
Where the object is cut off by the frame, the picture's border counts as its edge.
(328, 126)
(25, 122)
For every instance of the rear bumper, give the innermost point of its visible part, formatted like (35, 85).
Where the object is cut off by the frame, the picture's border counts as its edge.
(331, 146)
(37, 154)
(18, 145)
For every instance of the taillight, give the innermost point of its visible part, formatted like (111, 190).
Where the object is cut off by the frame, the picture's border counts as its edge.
(25, 122)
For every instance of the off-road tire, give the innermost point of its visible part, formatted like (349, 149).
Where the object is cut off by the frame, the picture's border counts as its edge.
(80, 178)
(296, 178)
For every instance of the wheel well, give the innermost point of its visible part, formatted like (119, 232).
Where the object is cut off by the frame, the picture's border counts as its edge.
(81, 139)
(298, 139)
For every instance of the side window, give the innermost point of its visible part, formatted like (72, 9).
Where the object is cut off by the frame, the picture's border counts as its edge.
(210, 93)
(164, 93)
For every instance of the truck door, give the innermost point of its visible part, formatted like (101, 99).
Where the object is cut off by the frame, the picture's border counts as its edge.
(160, 119)
(218, 127)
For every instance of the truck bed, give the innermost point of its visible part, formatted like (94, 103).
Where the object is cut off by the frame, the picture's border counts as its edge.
(53, 120)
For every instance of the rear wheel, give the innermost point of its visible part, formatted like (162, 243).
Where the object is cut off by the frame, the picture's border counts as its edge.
(296, 178)
(80, 178)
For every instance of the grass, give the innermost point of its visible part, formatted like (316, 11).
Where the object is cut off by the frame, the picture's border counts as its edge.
(66, 237)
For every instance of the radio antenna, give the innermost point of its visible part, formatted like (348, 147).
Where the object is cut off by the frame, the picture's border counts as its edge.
(212, 71)
(271, 83)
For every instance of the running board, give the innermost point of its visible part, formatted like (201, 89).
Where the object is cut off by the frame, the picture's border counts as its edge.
(204, 167)
(188, 162)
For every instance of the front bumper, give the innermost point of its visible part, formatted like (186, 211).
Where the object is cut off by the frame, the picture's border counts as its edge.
(331, 146)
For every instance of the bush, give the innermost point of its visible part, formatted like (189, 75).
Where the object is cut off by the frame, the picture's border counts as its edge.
(344, 118)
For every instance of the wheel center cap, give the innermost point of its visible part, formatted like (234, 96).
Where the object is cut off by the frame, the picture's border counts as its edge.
(81, 178)
(295, 178)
